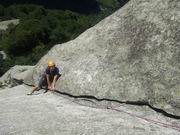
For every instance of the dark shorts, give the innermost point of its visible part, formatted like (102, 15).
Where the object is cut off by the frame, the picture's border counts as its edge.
(43, 81)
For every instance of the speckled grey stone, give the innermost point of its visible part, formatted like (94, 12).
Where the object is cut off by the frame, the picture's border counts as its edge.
(132, 55)
(15, 75)
(53, 114)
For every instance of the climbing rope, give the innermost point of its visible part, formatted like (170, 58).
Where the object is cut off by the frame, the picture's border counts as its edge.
(175, 127)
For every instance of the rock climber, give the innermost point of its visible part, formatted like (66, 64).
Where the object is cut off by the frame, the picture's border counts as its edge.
(49, 78)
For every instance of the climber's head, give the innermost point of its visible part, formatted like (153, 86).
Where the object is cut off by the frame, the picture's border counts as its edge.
(51, 64)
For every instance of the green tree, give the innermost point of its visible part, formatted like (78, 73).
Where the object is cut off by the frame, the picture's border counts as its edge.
(1, 64)
(1, 11)
(25, 37)
(38, 13)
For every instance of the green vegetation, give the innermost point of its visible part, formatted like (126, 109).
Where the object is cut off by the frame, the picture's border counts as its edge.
(109, 3)
(1, 64)
(39, 29)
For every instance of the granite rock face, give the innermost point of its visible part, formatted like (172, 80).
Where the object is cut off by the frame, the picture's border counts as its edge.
(4, 55)
(53, 114)
(4, 24)
(132, 55)
(15, 76)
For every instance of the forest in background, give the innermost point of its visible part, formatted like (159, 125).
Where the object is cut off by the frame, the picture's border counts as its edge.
(46, 23)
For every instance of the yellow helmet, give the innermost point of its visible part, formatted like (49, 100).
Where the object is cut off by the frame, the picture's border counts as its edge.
(51, 63)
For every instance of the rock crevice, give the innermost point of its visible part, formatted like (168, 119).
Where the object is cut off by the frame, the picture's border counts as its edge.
(55, 114)
(132, 55)
(96, 101)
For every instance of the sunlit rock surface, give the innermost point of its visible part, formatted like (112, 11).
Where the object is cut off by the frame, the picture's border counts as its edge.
(132, 55)
(15, 75)
(54, 114)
